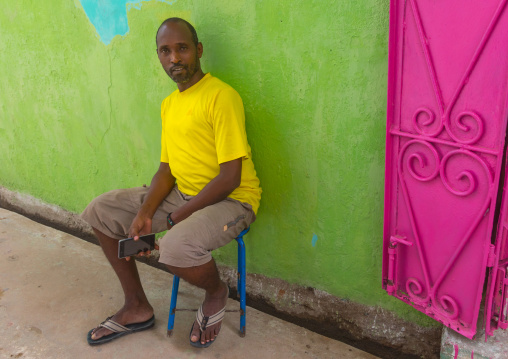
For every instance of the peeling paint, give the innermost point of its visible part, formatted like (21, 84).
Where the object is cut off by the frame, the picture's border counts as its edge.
(109, 17)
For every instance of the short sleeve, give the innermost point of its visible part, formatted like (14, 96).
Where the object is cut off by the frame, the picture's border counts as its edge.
(164, 147)
(229, 126)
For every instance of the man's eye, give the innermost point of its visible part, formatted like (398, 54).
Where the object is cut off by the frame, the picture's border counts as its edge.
(183, 48)
(164, 51)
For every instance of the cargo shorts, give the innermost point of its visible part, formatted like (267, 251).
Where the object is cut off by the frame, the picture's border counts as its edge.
(190, 242)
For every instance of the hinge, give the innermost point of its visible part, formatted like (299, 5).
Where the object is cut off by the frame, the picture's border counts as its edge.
(492, 256)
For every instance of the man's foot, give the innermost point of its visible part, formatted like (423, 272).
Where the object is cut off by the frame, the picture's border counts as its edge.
(211, 305)
(125, 316)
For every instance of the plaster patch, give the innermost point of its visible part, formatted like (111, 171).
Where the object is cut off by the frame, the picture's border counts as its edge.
(109, 17)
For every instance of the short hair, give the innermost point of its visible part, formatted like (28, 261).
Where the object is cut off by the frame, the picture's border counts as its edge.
(176, 20)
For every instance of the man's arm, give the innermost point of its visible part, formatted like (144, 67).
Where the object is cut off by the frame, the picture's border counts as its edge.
(216, 190)
(162, 183)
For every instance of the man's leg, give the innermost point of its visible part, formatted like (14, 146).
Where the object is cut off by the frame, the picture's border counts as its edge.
(136, 308)
(205, 277)
(186, 250)
(110, 215)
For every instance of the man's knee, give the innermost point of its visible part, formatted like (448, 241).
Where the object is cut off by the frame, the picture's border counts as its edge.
(171, 246)
(91, 213)
(98, 205)
(182, 250)
(111, 213)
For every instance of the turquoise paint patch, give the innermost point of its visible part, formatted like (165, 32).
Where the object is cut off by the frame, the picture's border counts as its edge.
(109, 17)
(314, 240)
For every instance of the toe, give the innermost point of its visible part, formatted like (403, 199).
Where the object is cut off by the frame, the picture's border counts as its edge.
(195, 333)
(205, 336)
(216, 331)
(210, 333)
(95, 334)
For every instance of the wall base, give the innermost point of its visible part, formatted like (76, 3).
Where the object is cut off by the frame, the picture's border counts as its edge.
(372, 329)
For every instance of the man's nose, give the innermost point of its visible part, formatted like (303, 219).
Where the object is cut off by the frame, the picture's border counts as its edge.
(175, 58)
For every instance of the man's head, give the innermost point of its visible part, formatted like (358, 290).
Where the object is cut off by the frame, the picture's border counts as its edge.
(179, 51)
(189, 26)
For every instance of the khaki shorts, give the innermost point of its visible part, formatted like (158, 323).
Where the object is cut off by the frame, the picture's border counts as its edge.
(189, 242)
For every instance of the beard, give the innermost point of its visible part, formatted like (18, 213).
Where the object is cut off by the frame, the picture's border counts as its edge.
(186, 74)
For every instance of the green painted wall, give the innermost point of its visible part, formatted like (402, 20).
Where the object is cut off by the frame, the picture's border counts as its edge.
(78, 118)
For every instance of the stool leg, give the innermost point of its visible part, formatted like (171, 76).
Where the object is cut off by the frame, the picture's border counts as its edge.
(172, 306)
(238, 277)
(241, 284)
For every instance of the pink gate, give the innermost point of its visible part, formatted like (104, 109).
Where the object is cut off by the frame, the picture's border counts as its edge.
(446, 126)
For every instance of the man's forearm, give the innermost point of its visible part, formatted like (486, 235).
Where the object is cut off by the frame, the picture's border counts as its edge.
(215, 191)
(162, 183)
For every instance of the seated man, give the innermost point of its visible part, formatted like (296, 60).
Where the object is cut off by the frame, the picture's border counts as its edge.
(205, 191)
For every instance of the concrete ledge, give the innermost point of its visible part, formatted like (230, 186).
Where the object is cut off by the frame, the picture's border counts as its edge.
(47, 214)
(372, 329)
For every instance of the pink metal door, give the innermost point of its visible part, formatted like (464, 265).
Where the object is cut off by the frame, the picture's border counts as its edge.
(446, 125)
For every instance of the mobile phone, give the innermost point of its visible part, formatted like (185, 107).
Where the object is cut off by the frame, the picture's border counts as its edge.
(129, 247)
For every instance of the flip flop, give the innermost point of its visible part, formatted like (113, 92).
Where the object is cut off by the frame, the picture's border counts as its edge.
(205, 322)
(118, 330)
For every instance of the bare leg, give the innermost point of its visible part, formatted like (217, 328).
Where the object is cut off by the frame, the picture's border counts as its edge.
(136, 308)
(205, 277)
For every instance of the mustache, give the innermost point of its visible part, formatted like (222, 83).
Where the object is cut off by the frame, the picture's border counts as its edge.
(177, 65)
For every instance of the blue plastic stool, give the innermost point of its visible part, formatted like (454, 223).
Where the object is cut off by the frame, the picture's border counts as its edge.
(241, 275)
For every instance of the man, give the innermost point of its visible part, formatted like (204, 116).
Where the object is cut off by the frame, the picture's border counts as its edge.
(205, 191)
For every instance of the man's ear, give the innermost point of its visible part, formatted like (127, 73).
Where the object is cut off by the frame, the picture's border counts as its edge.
(200, 49)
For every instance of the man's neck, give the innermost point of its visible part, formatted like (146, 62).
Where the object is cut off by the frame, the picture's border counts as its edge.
(194, 80)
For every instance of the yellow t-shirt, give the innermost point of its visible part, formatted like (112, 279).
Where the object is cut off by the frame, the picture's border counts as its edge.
(202, 127)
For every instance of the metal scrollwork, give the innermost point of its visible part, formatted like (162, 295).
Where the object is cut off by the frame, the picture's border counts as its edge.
(422, 159)
(459, 122)
(415, 289)
(431, 118)
(450, 306)
(468, 176)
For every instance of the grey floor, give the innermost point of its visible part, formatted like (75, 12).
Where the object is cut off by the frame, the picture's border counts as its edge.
(55, 287)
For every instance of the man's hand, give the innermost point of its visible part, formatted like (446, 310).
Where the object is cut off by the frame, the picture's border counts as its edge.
(162, 183)
(141, 225)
